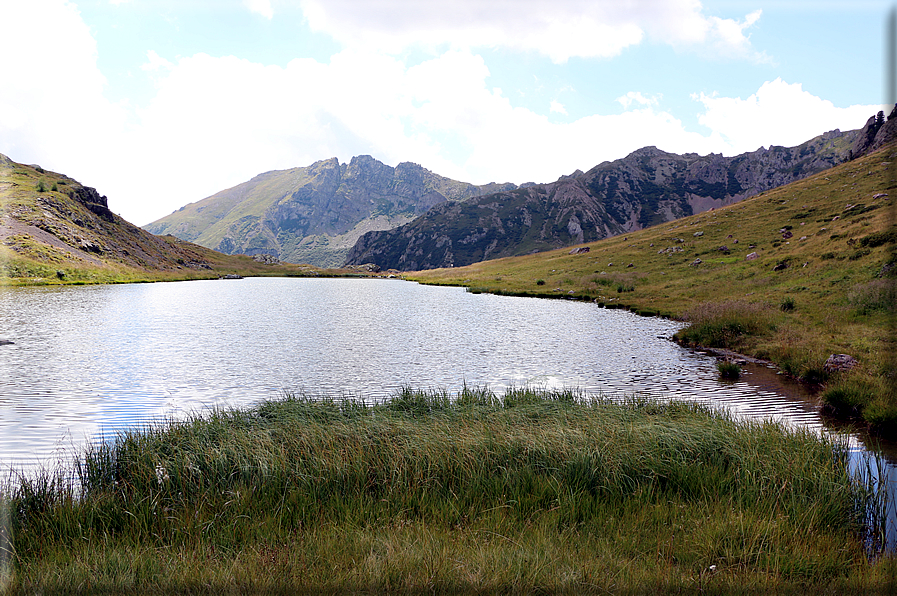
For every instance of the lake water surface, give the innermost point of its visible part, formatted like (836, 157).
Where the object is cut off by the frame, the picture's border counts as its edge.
(88, 361)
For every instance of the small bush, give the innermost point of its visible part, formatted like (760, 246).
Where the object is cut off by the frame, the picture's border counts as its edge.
(787, 304)
(879, 238)
(540, 282)
(625, 288)
(41, 185)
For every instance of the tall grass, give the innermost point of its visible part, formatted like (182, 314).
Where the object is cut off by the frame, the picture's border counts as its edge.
(532, 490)
(722, 324)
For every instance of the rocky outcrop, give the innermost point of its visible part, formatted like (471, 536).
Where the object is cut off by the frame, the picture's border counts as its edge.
(877, 133)
(645, 188)
(839, 363)
(90, 198)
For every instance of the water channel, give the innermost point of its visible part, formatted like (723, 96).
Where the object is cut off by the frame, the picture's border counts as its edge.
(89, 361)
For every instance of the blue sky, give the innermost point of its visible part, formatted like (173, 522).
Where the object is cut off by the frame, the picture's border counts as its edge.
(158, 103)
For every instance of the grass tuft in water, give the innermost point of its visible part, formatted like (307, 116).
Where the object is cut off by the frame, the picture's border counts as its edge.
(728, 370)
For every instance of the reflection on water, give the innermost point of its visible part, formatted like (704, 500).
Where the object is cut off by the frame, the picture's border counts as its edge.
(89, 361)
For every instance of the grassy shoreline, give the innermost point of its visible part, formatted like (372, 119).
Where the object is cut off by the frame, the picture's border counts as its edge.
(530, 491)
(792, 276)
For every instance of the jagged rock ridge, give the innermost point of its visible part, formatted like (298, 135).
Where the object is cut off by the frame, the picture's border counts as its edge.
(314, 214)
(645, 188)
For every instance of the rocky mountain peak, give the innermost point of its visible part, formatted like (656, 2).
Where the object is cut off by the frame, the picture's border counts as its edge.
(314, 214)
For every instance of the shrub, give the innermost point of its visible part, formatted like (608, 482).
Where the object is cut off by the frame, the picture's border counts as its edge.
(540, 282)
(41, 185)
(787, 304)
(879, 238)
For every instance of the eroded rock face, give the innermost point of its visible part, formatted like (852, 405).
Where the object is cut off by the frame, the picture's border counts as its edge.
(877, 132)
(90, 198)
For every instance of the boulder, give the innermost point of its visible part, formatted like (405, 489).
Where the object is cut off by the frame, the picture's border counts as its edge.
(266, 259)
(752, 256)
(839, 363)
(579, 250)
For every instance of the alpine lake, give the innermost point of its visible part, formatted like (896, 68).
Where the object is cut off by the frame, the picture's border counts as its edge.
(86, 362)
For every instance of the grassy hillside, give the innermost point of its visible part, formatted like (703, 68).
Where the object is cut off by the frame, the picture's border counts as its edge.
(791, 275)
(54, 230)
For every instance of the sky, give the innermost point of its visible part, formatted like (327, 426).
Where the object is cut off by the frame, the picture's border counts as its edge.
(160, 103)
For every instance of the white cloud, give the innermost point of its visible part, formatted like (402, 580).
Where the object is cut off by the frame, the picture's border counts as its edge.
(262, 7)
(52, 108)
(155, 62)
(779, 114)
(557, 107)
(560, 29)
(217, 121)
(635, 97)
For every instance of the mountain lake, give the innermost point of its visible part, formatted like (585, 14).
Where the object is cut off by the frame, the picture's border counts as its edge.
(89, 361)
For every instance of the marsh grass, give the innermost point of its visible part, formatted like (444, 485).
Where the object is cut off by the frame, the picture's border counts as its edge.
(528, 491)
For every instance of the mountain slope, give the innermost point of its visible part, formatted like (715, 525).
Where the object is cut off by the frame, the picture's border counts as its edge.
(314, 214)
(54, 228)
(646, 188)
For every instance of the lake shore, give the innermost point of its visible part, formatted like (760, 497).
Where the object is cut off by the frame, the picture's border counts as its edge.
(529, 491)
(793, 276)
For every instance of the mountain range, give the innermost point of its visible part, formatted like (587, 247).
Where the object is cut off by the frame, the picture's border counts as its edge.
(646, 188)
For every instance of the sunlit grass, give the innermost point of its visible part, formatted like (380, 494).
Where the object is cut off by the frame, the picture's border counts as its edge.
(525, 491)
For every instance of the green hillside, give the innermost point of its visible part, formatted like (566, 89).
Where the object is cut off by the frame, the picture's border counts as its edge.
(792, 275)
(55, 230)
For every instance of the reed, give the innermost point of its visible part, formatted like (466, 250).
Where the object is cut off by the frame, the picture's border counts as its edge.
(528, 491)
